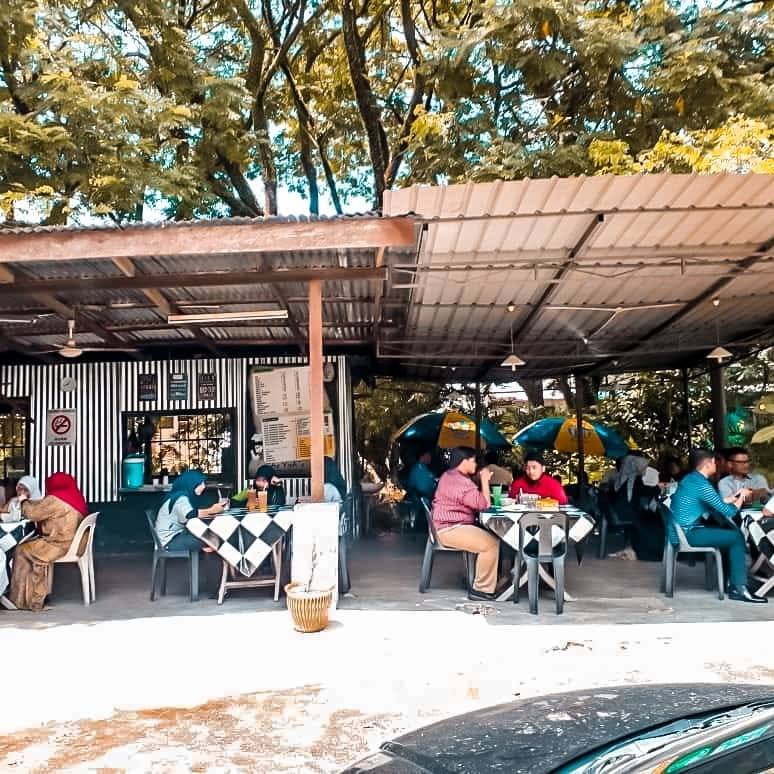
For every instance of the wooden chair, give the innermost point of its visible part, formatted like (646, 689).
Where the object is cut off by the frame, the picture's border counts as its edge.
(544, 553)
(433, 545)
(85, 560)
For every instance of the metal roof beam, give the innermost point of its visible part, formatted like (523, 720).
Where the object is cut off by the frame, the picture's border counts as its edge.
(193, 279)
(207, 238)
(128, 269)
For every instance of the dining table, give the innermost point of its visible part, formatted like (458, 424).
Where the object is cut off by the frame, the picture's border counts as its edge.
(12, 533)
(503, 521)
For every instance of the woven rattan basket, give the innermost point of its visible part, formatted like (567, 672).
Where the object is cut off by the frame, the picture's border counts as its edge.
(308, 609)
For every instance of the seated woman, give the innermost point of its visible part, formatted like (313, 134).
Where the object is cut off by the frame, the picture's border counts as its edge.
(57, 517)
(335, 488)
(266, 480)
(27, 489)
(456, 506)
(635, 502)
(183, 504)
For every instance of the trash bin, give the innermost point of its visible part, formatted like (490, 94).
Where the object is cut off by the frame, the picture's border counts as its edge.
(133, 469)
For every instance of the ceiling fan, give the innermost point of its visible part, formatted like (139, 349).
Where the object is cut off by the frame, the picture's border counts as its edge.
(71, 349)
(23, 319)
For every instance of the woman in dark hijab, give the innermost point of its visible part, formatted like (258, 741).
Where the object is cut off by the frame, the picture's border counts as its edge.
(266, 480)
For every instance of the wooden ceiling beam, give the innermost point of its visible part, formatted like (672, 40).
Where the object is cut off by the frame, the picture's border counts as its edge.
(163, 305)
(190, 279)
(208, 238)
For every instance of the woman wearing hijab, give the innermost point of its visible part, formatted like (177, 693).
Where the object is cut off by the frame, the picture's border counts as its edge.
(56, 517)
(266, 480)
(27, 489)
(634, 502)
(183, 503)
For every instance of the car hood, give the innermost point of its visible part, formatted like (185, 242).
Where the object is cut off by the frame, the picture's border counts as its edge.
(540, 734)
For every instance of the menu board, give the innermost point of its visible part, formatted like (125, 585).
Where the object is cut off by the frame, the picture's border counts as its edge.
(206, 386)
(287, 438)
(280, 404)
(147, 387)
(282, 391)
(178, 386)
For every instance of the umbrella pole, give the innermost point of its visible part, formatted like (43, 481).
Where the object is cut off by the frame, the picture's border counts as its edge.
(579, 420)
(478, 416)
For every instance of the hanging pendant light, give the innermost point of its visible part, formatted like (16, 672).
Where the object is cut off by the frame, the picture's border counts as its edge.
(719, 353)
(513, 360)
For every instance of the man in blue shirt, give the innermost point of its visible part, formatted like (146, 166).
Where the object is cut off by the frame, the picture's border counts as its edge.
(421, 481)
(694, 501)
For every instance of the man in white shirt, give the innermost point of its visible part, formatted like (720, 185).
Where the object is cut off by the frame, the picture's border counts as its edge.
(740, 477)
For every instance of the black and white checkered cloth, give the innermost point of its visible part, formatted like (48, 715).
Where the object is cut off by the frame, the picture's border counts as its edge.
(759, 532)
(504, 522)
(14, 532)
(243, 538)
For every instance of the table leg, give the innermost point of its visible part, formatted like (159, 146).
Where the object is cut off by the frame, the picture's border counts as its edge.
(545, 575)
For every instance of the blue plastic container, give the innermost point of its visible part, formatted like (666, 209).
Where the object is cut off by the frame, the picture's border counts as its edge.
(133, 470)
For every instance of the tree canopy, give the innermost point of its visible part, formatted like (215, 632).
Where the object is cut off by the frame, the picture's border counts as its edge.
(201, 108)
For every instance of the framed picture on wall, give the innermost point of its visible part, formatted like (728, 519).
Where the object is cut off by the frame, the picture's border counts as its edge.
(147, 387)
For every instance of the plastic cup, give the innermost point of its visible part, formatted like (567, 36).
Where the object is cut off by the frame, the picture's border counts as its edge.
(497, 496)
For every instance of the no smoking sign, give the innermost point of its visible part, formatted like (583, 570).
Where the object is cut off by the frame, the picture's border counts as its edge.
(60, 427)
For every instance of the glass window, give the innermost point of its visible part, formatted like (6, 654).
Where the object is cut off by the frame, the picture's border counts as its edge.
(14, 434)
(175, 442)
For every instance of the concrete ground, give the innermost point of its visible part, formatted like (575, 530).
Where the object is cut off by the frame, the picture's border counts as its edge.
(129, 685)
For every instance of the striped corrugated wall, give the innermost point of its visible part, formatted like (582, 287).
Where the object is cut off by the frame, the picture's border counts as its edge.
(105, 390)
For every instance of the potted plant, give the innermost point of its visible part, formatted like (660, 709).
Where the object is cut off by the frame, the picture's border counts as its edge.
(309, 606)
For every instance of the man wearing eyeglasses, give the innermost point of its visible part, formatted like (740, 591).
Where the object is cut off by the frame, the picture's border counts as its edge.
(740, 477)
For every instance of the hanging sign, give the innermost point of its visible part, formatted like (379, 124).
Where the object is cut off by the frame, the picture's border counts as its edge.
(147, 387)
(178, 386)
(206, 386)
(60, 427)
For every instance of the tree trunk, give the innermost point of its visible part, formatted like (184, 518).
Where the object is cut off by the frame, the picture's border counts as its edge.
(267, 159)
(534, 390)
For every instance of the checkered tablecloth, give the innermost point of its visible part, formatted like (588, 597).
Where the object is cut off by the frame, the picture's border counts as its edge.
(505, 524)
(243, 538)
(11, 534)
(759, 531)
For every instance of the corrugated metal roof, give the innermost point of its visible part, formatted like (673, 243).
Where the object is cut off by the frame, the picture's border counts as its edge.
(653, 241)
(108, 225)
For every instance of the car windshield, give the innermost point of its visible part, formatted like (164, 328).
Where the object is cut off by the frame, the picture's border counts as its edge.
(681, 743)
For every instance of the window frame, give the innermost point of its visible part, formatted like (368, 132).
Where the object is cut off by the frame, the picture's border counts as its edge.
(222, 478)
(12, 404)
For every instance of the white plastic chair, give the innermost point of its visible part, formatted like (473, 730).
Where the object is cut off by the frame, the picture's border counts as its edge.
(85, 561)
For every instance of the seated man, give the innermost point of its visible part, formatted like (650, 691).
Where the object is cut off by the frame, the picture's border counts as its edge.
(456, 506)
(536, 481)
(694, 501)
(421, 481)
(740, 477)
(500, 476)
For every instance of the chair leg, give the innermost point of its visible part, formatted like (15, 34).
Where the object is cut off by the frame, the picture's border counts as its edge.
(92, 583)
(470, 568)
(50, 577)
(672, 579)
(344, 584)
(277, 556)
(223, 578)
(602, 553)
(153, 578)
(83, 567)
(533, 581)
(665, 559)
(163, 568)
(516, 572)
(193, 559)
(719, 572)
(559, 582)
(427, 567)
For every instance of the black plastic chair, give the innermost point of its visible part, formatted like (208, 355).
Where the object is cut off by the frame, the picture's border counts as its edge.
(160, 556)
(611, 521)
(544, 553)
(433, 545)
